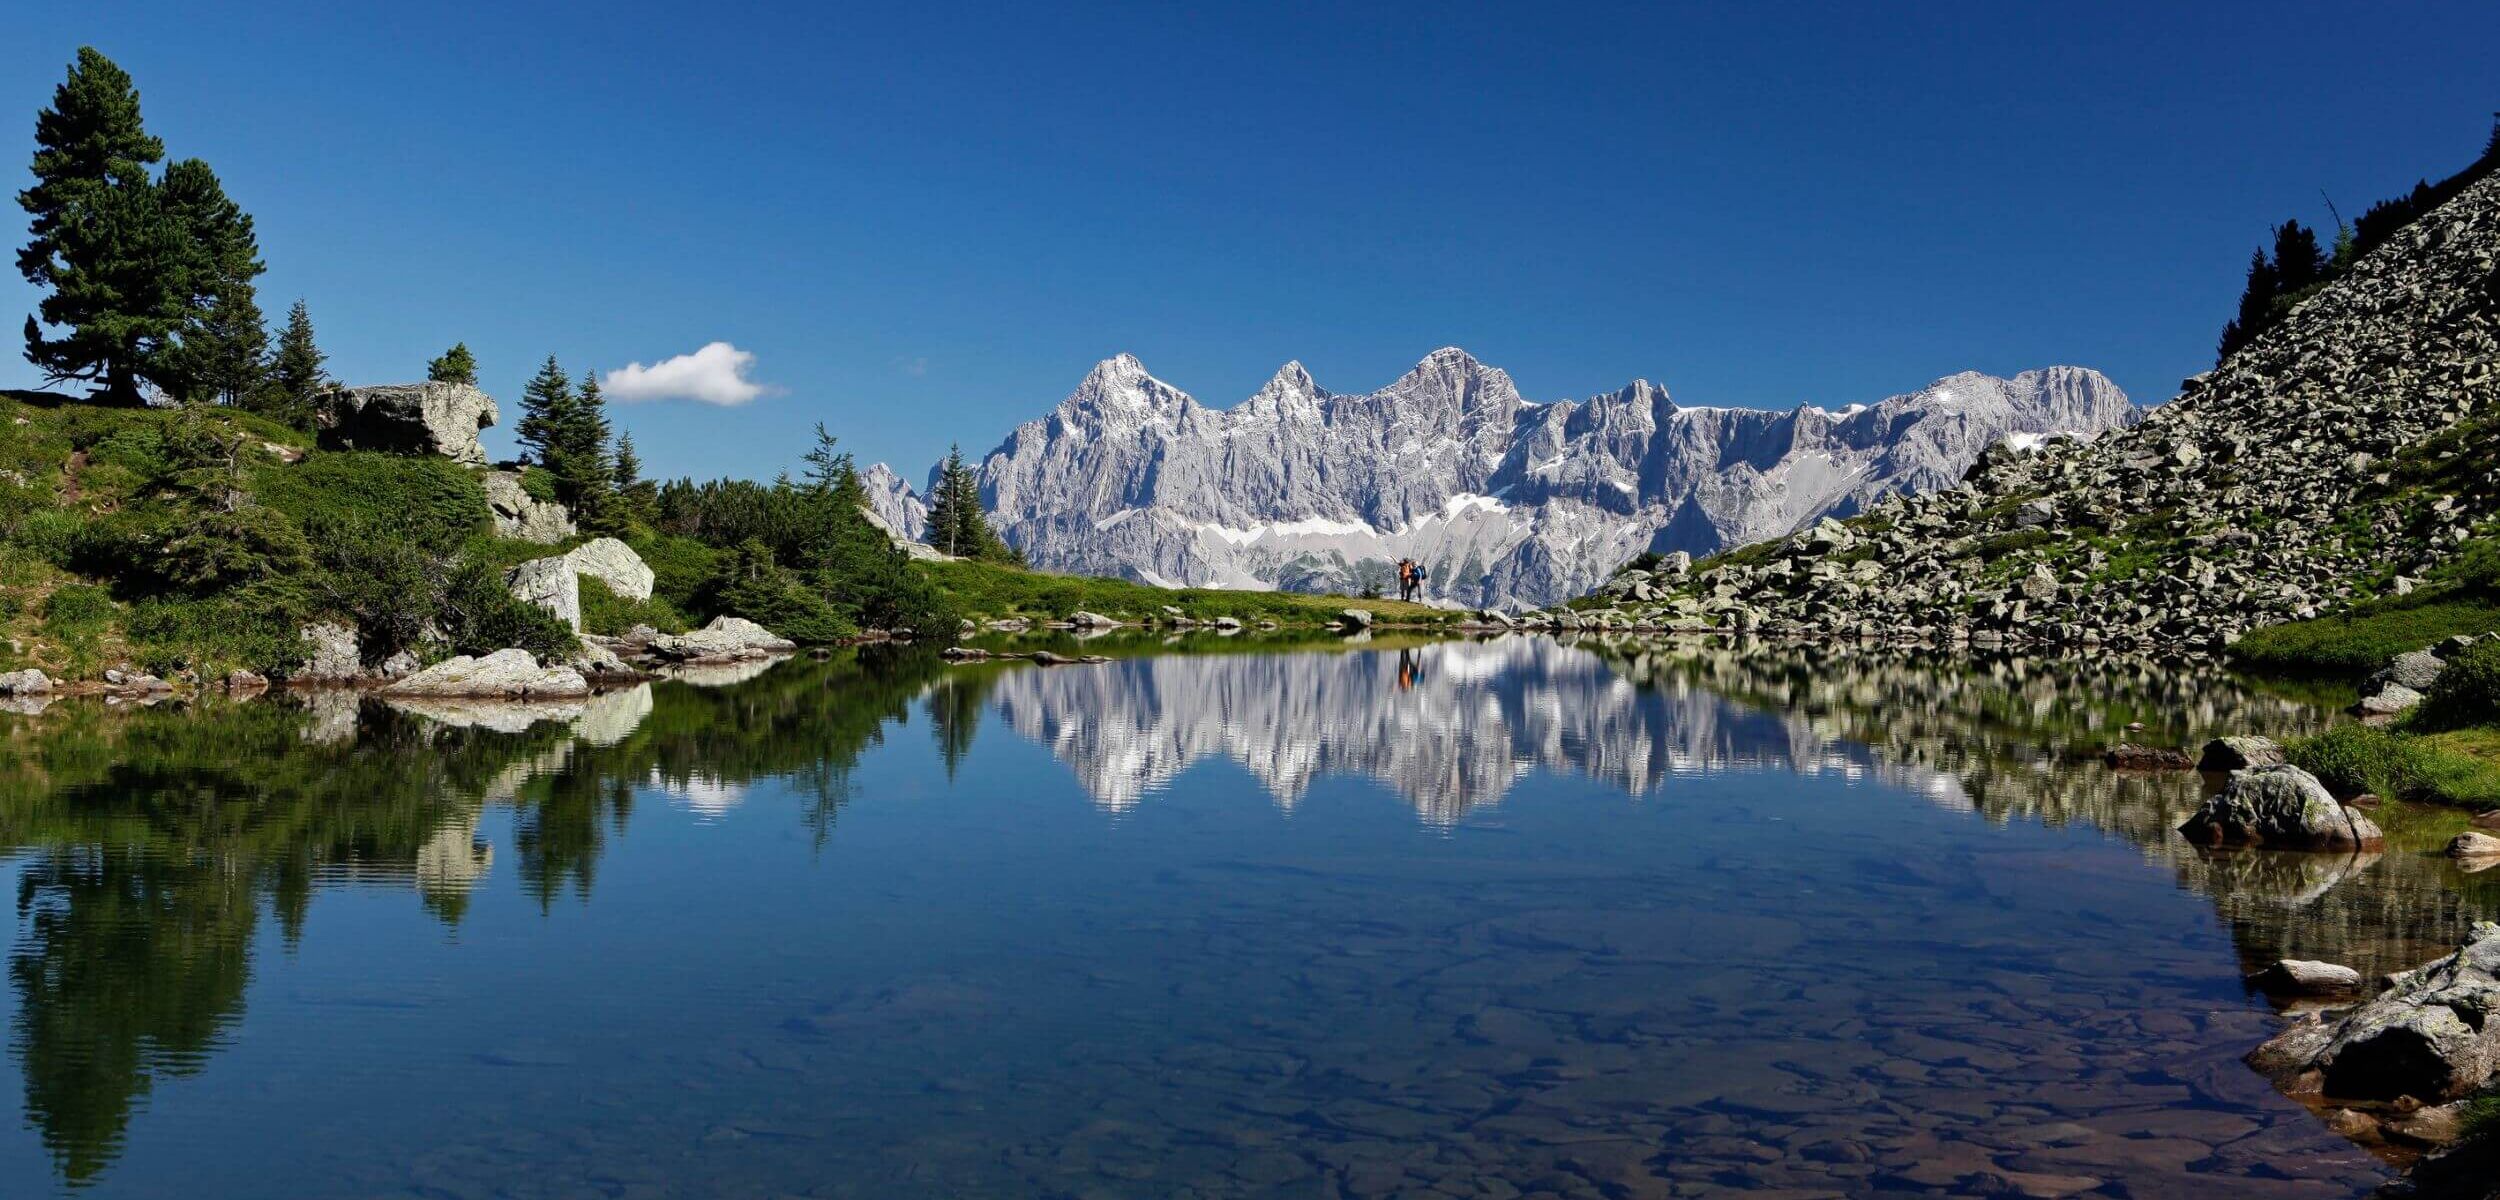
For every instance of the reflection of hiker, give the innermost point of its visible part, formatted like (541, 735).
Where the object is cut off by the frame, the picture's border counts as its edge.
(1410, 670)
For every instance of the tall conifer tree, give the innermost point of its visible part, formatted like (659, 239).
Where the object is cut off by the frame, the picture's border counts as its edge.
(295, 372)
(103, 245)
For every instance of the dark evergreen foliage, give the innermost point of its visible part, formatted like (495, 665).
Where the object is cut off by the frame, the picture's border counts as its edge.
(456, 365)
(108, 254)
(296, 374)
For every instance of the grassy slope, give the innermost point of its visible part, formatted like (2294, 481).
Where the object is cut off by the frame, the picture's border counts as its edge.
(989, 591)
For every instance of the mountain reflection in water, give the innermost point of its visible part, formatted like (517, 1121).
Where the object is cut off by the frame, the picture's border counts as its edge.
(149, 848)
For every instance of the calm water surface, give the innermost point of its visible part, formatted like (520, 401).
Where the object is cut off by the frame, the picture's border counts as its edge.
(1500, 919)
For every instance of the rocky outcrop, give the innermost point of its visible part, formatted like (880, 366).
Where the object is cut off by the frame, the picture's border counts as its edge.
(2434, 1037)
(330, 655)
(2280, 808)
(505, 674)
(615, 564)
(2266, 492)
(1507, 502)
(551, 584)
(406, 418)
(521, 516)
(725, 639)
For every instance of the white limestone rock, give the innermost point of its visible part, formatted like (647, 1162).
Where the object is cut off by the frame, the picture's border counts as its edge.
(406, 418)
(505, 674)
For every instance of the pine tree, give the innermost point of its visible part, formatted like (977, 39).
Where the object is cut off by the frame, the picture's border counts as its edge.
(544, 402)
(945, 522)
(224, 342)
(2298, 262)
(585, 476)
(295, 372)
(637, 499)
(103, 244)
(455, 366)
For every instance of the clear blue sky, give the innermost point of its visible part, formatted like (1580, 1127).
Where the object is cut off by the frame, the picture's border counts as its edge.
(925, 226)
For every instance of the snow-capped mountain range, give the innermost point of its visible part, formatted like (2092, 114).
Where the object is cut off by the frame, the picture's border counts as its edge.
(1506, 502)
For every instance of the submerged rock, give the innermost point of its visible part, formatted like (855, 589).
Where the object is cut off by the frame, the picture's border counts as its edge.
(2432, 1037)
(505, 674)
(2280, 808)
(406, 418)
(2127, 756)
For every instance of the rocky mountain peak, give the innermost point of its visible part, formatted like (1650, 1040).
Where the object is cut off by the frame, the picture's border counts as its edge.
(1507, 503)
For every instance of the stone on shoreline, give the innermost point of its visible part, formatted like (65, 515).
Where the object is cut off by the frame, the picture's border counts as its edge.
(406, 418)
(2414, 670)
(2302, 977)
(2238, 753)
(505, 674)
(2280, 808)
(2430, 1037)
(2474, 844)
(330, 655)
(2390, 699)
(1082, 619)
(29, 682)
(1355, 618)
(725, 639)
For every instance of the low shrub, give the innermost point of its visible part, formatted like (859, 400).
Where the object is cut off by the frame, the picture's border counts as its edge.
(2353, 759)
(430, 500)
(480, 616)
(2467, 691)
(254, 629)
(605, 612)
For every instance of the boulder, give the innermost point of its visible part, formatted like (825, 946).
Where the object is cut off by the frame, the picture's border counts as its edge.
(2390, 699)
(2431, 1037)
(2280, 808)
(2474, 844)
(551, 584)
(406, 418)
(1355, 618)
(29, 682)
(2239, 753)
(2489, 820)
(2415, 669)
(240, 681)
(330, 655)
(726, 638)
(1676, 564)
(503, 675)
(595, 660)
(1090, 620)
(615, 564)
(522, 516)
(2302, 977)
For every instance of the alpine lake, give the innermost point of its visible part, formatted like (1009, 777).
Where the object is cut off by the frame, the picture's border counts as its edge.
(1215, 918)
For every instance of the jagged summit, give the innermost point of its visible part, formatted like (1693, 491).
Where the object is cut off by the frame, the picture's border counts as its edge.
(1507, 502)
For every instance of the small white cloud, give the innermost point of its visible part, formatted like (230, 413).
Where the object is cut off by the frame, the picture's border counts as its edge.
(715, 374)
